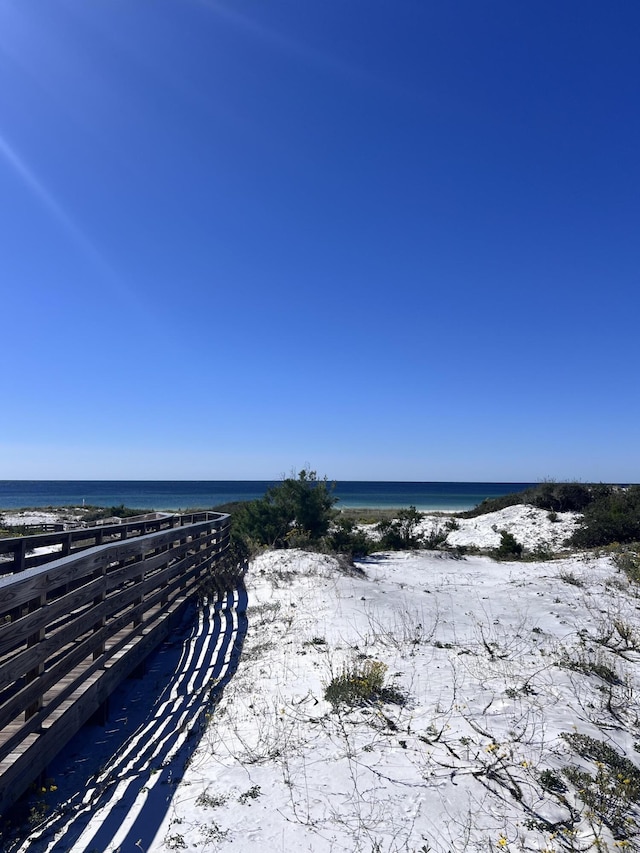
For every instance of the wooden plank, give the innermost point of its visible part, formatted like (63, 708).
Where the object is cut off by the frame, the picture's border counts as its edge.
(28, 694)
(55, 675)
(166, 566)
(39, 654)
(27, 764)
(89, 536)
(13, 634)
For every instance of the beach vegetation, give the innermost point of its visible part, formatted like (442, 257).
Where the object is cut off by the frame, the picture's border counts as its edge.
(612, 789)
(368, 515)
(542, 552)
(613, 517)
(548, 495)
(97, 513)
(402, 532)
(509, 548)
(228, 571)
(627, 559)
(345, 537)
(361, 683)
(299, 510)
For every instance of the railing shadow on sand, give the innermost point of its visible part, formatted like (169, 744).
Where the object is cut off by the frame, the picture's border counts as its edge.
(121, 805)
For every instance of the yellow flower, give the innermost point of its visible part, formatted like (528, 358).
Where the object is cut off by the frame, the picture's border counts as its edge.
(502, 841)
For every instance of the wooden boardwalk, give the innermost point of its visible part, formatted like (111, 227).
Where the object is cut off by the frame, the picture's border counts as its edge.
(76, 622)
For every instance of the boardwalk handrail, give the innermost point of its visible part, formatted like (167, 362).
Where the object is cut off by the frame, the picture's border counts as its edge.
(14, 551)
(72, 629)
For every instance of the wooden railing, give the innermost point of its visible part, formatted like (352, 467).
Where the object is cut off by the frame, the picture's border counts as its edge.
(73, 628)
(16, 554)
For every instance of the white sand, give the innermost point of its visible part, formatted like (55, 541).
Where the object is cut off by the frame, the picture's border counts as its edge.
(17, 517)
(481, 651)
(530, 526)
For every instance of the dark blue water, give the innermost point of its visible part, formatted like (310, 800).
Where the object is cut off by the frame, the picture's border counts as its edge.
(178, 494)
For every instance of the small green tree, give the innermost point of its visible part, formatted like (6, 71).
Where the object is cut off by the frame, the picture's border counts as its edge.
(299, 507)
(509, 548)
(401, 533)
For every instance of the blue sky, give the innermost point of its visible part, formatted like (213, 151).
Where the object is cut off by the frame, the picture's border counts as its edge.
(389, 240)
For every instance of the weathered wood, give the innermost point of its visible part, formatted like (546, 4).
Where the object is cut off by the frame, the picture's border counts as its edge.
(14, 634)
(60, 683)
(82, 538)
(70, 630)
(19, 769)
(37, 655)
(29, 584)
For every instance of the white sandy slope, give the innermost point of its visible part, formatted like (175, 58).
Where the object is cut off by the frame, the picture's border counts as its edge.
(495, 660)
(482, 651)
(30, 516)
(532, 528)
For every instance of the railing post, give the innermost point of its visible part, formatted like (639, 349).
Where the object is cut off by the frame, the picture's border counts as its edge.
(66, 545)
(33, 640)
(19, 555)
(139, 579)
(98, 600)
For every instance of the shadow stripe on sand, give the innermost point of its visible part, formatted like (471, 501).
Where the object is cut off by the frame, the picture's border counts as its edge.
(123, 805)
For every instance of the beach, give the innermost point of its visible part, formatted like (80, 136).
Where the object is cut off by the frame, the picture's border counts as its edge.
(508, 689)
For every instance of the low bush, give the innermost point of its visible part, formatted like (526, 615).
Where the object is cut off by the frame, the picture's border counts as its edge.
(627, 559)
(494, 505)
(509, 548)
(361, 683)
(98, 512)
(563, 497)
(228, 572)
(613, 517)
(346, 537)
(609, 792)
(554, 497)
(401, 532)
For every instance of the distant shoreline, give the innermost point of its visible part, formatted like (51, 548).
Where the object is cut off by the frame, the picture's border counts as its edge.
(181, 495)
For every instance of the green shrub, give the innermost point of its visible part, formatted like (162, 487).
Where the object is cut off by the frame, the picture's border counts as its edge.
(360, 683)
(400, 533)
(228, 572)
(509, 548)
(494, 505)
(555, 497)
(627, 559)
(550, 781)
(612, 789)
(300, 509)
(542, 551)
(563, 497)
(613, 517)
(346, 538)
(121, 511)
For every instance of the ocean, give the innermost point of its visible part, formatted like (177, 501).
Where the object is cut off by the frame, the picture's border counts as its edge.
(192, 494)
